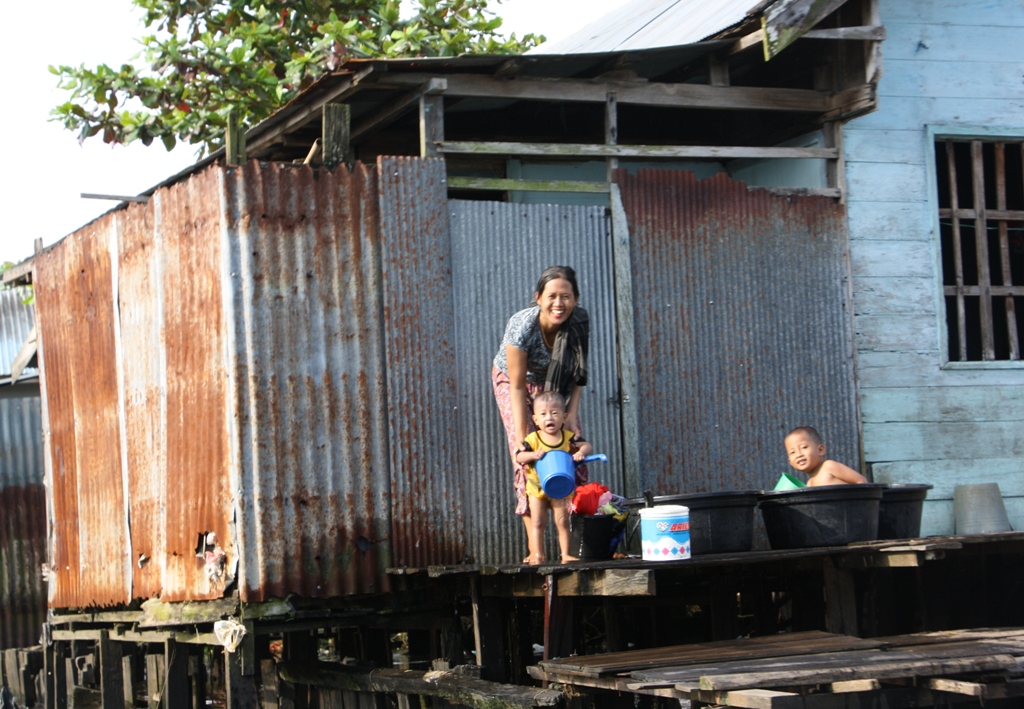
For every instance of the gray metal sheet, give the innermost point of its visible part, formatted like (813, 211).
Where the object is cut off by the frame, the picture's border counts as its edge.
(23, 520)
(304, 302)
(645, 24)
(498, 252)
(428, 453)
(16, 321)
(743, 329)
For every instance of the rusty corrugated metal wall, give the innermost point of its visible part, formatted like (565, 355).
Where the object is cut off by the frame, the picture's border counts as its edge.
(743, 329)
(428, 452)
(173, 364)
(309, 380)
(498, 252)
(22, 519)
(76, 320)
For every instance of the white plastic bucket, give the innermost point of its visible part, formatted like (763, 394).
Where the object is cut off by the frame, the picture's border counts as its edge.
(665, 532)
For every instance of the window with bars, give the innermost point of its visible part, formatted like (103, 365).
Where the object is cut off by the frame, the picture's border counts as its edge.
(981, 224)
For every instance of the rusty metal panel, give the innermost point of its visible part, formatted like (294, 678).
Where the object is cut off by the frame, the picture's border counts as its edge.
(173, 365)
(23, 522)
(308, 399)
(428, 452)
(498, 252)
(198, 494)
(16, 321)
(76, 317)
(145, 393)
(743, 329)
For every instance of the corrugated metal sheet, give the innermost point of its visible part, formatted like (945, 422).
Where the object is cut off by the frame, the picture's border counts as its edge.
(743, 329)
(22, 522)
(16, 321)
(498, 252)
(428, 453)
(309, 393)
(646, 24)
(74, 307)
(173, 343)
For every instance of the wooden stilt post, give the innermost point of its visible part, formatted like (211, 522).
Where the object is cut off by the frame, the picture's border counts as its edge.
(431, 124)
(56, 675)
(175, 694)
(154, 679)
(128, 678)
(234, 140)
(241, 689)
(337, 127)
(197, 678)
(840, 599)
(111, 683)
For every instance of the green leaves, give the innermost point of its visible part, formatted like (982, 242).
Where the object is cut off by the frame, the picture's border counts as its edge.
(203, 57)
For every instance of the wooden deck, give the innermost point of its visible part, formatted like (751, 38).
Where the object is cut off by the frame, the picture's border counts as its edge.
(810, 670)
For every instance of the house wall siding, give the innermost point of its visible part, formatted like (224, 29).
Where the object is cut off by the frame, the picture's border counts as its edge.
(951, 64)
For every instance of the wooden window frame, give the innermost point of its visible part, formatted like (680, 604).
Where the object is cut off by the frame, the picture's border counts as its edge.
(985, 217)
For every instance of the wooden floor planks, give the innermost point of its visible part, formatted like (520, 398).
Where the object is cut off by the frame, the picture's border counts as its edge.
(754, 669)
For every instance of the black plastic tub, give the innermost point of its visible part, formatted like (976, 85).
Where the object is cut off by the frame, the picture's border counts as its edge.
(831, 515)
(899, 515)
(720, 522)
(593, 537)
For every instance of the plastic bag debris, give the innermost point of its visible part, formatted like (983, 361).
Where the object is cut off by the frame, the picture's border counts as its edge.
(229, 633)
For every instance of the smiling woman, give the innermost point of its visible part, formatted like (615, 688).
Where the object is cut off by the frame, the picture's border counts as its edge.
(544, 349)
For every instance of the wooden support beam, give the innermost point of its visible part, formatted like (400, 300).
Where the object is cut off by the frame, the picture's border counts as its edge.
(56, 676)
(611, 131)
(128, 678)
(335, 143)
(456, 688)
(754, 39)
(875, 33)
(234, 140)
(840, 599)
(393, 110)
(558, 621)
(956, 686)
(718, 69)
(431, 124)
(111, 683)
(674, 152)
(628, 393)
(751, 699)
(501, 185)
(175, 692)
(608, 582)
(19, 274)
(637, 93)
(240, 688)
(197, 679)
(855, 685)
(154, 679)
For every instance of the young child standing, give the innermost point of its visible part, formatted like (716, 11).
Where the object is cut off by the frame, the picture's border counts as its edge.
(806, 453)
(549, 417)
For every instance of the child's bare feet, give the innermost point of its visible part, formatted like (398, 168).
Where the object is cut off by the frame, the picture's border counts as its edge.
(568, 557)
(534, 559)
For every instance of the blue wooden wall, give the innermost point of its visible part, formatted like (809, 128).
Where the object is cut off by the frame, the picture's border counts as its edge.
(959, 65)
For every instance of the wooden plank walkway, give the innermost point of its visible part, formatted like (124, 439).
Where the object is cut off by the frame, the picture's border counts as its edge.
(808, 670)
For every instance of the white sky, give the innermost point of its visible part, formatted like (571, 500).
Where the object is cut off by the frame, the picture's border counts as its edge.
(45, 169)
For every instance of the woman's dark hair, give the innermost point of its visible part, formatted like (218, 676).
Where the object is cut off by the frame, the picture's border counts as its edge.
(553, 272)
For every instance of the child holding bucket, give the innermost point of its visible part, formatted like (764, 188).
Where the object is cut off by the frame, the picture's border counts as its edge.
(549, 417)
(806, 453)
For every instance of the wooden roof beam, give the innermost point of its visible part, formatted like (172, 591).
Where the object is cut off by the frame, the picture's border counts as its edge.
(392, 111)
(638, 93)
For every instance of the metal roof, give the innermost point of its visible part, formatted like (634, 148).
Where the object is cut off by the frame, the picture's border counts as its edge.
(646, 24)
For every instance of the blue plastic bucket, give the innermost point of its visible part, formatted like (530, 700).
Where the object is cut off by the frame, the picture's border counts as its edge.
(557, 473)
(665, 533)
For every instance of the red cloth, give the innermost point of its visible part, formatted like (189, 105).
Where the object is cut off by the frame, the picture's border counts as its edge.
(587, 497)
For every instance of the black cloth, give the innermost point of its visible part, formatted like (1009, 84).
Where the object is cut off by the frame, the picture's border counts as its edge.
(568, 366)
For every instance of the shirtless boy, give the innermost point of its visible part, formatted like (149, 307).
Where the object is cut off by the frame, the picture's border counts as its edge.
(806, 453)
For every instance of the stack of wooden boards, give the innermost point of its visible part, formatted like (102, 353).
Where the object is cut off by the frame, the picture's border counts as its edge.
(812, 669)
